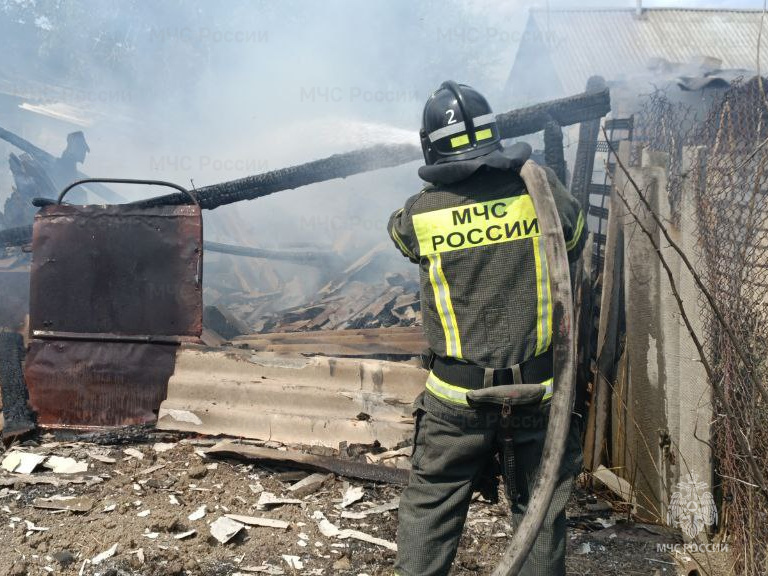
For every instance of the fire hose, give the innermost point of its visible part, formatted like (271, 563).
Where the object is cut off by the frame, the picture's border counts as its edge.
(564, 373)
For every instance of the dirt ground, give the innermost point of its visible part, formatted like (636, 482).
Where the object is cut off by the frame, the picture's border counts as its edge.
(143, 506)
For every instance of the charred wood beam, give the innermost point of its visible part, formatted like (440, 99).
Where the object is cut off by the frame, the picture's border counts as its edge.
(565, 112)
(26, 146)
(294, 459)
(315, 258)
(554, 155)
(336, 166)
(585, 153)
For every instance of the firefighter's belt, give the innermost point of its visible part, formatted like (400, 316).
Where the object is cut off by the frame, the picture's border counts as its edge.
(471, 377)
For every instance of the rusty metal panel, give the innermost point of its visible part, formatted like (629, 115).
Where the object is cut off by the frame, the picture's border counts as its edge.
(117, 270)
(92, 384)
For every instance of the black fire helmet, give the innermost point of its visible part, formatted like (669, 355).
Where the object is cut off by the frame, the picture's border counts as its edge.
(458, 124)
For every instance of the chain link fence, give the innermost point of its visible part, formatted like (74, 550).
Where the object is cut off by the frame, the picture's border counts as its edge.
(731, 209)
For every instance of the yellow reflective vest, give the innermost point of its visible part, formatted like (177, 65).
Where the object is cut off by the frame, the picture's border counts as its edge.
(485, 294)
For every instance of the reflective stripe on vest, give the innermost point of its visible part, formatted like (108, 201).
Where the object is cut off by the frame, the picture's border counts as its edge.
(445, 391)
(396, 237)
(543, 297)
(571, 244)
(458, 395)
(444, 307)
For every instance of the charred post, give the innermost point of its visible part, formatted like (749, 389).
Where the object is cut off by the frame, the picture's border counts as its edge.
(585, 153)
(553, 149)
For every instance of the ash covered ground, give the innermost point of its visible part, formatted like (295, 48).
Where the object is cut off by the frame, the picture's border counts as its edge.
(150, 507)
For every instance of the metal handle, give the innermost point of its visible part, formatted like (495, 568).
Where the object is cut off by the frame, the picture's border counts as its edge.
(128, 181)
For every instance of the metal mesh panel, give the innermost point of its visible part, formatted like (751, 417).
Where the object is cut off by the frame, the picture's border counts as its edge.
(732, 259)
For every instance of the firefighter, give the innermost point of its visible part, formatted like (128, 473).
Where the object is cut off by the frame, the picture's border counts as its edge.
(487, 316)
(64, 169)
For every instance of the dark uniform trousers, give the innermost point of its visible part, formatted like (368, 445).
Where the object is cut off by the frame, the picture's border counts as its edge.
(452, 445)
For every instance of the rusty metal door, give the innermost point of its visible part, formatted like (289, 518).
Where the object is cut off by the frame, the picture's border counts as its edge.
(113, 291)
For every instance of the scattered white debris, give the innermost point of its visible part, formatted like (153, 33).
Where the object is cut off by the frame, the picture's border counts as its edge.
(585, 548)
(106, 555)
(391, 458)
(151, 469)
(180, 416)
(294, 562)
(182, 535)
(330, 530)
(357, 535)
(21, 462)
(32, 528)
(173, 500)
(59, 502)
(265, 568)
(224, 529)
(388, 506)
(351, 495)
(151, 535)
(310, 484)
(59, 465)
(199, 513)
(214, 466)
(140, 555)
(267, 499)
(101, 458)
(606, 522)
(256, 488)
(327, 528)
(164, 446)
(134, 453)
(110, 507)
(257, 521)
(143, 513)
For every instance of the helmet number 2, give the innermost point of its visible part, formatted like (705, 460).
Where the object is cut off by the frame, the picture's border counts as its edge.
(450, 113)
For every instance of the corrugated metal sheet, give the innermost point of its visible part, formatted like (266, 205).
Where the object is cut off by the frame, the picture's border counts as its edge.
(616, 44)
(291, 399)
(380, 343)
